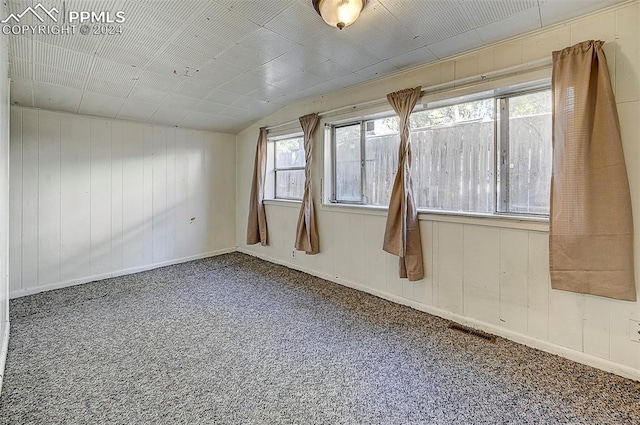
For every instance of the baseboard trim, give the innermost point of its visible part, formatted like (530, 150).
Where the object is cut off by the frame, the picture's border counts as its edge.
(37, 289)
(568, 353)
(3, 353)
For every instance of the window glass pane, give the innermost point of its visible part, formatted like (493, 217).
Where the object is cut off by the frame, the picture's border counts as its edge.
(382, 142)
(453, 157)
(530, 153)
(290, 152)
(290, 184)
(348, 164)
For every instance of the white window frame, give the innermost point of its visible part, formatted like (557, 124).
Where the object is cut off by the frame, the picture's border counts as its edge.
(272, 169)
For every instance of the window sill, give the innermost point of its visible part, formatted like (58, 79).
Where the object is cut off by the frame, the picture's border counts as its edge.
(539, 224)
(291, 203)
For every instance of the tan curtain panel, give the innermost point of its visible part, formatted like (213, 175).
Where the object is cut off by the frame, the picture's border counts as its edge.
(307, 232)
(257, 224)
(591, 227)
(402, 233)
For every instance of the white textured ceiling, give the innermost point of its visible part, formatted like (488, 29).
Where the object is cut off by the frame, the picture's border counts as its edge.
(222, 64)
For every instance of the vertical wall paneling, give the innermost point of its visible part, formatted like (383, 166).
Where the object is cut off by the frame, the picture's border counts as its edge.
(374, 257)
(596, 326)
(538, 286)
(147, 195)
(49, 198)
(75, 198)
(195, 175)
(565, 319)
(222, 213)
(116, 195)
(622, 349)
(91, 197)
(514, 265)
(132, 197)
(481, 273)
(100, 195)
(451, 257)
(15, 206)
(30, 198)
(170, 210)
(182, 196)
(394, 285)
(341, 250)
(423, 290)
(159, 179)
(436, 263)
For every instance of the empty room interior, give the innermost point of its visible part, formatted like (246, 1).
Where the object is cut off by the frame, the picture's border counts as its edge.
(320, 211)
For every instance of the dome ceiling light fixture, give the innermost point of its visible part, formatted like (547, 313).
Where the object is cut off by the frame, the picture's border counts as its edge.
(339, 13)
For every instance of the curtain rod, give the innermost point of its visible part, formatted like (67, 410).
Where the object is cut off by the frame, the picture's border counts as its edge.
(461, 82)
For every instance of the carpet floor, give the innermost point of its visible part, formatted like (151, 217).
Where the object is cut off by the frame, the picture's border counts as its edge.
(237, 340)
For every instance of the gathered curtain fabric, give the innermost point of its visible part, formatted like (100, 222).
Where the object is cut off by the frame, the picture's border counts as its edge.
(590, 223)
(402, 232)
(257, 223)
(307, 231)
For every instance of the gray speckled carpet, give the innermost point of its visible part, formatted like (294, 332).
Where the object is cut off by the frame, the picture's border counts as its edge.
(237, 340)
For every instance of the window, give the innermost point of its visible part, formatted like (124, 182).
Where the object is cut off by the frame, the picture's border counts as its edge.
(525, 153)
(488, 154)
(288, 167)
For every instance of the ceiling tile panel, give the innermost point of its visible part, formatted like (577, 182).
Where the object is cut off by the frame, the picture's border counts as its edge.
(201, 41)
(109, 87)
(20, 47)
(219, 21)
(391, 39)
(182, 10)
(168, 115)
(133, 39)
(242, 84)
(100, 105)
(75, 43)
(20, 69)
(180, 102)
(193, 90)
(327, 70)
(210, 107)
(457, 44)
(122, 55)
(58, 77)
(482, 12)
(257, 11)
(61, 58)
(203, 121)
(554, 11)
(401, 8)
(301, 24)
(300, 57)
(144, 94)
(56, 98)
(222, 97)
(268, 44)
(414, 58)
(148, 21)
(527, 20)
(113, 71)
(137, 111)
(161, 82)
(243, 58)
(275, 70)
